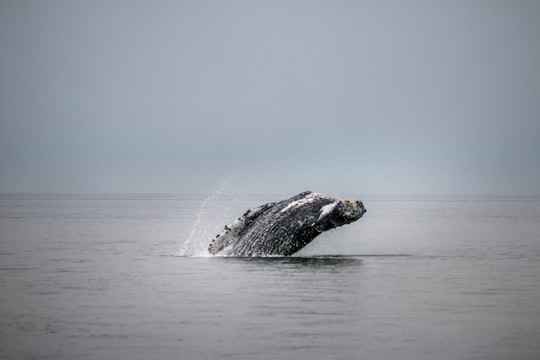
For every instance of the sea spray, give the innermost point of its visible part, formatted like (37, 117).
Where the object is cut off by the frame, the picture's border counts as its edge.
(208, 221)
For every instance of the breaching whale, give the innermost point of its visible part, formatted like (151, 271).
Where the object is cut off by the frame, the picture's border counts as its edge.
(284, 227)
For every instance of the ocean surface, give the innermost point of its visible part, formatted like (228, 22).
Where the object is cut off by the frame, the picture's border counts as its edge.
(127, 277)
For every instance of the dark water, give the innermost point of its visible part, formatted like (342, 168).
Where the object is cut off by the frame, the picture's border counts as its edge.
(100, 277)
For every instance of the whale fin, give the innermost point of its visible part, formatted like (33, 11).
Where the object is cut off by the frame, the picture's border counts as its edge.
(232, 231)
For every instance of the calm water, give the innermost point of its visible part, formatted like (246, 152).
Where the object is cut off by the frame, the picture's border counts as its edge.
(101, 277)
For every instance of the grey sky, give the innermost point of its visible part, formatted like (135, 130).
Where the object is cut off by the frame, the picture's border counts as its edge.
(276, 96)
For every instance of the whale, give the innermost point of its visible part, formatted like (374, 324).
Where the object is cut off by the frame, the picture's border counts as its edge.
(284, 227)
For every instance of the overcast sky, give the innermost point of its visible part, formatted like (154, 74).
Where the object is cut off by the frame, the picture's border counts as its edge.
(390, 97)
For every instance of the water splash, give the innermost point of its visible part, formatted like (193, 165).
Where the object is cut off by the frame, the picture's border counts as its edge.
(204, 228)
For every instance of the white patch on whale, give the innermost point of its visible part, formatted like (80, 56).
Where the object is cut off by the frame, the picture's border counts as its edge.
(305, 200)
(327, 209)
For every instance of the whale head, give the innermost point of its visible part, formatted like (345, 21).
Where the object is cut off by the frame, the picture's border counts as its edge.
(350, 210)
(341, 212)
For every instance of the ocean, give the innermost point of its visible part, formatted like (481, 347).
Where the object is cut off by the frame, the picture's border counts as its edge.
(127, 276)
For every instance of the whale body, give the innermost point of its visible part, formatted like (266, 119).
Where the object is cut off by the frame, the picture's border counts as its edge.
(284, 227)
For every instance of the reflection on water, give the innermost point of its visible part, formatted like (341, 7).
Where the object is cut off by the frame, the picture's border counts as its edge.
(298, 262)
